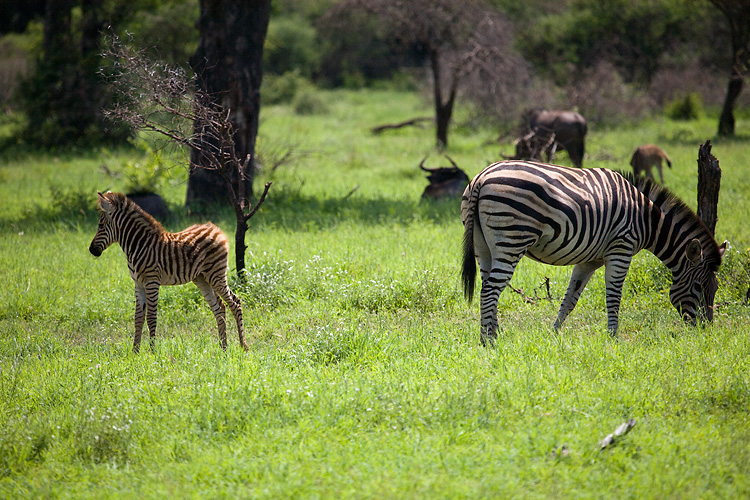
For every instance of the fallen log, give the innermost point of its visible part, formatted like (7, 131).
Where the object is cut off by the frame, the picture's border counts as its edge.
(391, 126)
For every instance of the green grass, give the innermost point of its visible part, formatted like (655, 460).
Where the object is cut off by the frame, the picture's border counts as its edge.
(365, 377)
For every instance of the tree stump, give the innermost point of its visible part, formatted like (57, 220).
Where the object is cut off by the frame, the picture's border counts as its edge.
(709, 183)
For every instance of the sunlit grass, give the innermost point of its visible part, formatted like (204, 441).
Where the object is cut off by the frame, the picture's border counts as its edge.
(365, 377)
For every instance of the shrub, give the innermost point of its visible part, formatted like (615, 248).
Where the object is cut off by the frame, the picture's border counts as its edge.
(309, 102)
(282, 89)
(147, 176)
(291, 45)
(687, 107)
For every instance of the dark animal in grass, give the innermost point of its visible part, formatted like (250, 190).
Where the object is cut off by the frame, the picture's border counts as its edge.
(646, 157)
(538, 142)
(444, 182)
(569, 128)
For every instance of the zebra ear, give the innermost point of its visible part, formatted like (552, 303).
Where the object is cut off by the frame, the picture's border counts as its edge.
(693, 252)
(105, 204)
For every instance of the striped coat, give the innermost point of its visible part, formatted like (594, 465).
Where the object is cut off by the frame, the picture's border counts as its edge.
(156, 257)
(585, 218)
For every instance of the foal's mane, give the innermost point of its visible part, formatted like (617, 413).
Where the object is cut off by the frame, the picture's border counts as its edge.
(125, 203)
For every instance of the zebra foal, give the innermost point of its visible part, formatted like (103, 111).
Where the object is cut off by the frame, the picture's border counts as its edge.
(156, 257)
(586, 218)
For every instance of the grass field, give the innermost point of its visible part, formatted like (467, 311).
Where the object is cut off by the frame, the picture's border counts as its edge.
(365, 377)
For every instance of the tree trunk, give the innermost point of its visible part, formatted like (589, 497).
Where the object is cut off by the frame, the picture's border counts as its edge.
(726, 121)
(442, 112)
(709, 183)
(228, 65)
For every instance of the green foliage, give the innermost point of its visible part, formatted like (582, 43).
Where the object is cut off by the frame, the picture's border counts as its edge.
(309, 102)
(632, 36)
(282, 89)
(291, 45)
(167, 30)
(147, 176)
(687, 107)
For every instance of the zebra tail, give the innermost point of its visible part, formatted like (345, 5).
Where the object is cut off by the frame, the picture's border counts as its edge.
(469, 268)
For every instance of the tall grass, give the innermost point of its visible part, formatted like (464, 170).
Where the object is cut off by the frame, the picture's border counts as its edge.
(365, 377)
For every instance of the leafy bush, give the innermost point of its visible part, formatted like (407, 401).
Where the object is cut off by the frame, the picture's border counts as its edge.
(687, 107)
(309, 102)
(291, 45)
(282, 89)
(147, 176)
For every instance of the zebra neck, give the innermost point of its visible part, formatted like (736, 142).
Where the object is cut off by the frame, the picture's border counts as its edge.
(670, 237)
(136, 234)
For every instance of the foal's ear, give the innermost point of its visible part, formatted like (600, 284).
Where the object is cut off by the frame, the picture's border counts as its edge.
(693, 252)
(104, 203)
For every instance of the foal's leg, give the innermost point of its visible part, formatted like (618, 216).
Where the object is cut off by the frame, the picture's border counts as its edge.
(221, 288)
(152, 301)
(140, 315)
(216, 305)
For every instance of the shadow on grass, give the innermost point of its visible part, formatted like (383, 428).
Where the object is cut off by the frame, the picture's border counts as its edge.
(284, 208)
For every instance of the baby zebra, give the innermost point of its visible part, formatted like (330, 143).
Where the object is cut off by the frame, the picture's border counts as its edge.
(156, 257)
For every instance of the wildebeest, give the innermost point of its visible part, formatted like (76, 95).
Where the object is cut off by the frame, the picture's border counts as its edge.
(647, 156)
(569, 128)
(445, 182)
(538, 142)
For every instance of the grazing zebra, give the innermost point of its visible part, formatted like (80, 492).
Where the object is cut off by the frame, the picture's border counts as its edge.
(589, 218)
(156, 257)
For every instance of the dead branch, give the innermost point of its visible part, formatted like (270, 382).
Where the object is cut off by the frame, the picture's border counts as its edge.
(347, 195)
(621, 430)
(391, 126)
(536, 298)
(165, 100)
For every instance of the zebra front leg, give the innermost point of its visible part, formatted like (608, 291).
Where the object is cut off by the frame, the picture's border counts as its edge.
(578, 279)
(615, 271)
(140, 314)
(152, 301)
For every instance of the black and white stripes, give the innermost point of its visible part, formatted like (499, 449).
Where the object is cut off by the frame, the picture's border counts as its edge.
(156, 257)
(586, 218)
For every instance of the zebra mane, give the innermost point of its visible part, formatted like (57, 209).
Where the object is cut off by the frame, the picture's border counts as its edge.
(669, 202)
(122, 202)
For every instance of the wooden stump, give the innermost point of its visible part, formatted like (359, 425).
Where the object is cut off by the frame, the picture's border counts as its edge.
(709, 183)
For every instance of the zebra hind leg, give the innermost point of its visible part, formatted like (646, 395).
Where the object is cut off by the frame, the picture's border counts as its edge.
(217, 307)
(493, 284)
(222, 289)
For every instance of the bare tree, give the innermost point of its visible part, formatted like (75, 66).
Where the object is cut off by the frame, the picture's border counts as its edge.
(454, 35)
(737, 13)
(162, 99)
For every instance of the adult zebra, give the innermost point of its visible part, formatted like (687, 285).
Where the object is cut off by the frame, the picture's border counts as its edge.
(589, 218)
(156, 257)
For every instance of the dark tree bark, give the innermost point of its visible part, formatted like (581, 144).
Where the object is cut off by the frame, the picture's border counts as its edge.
(443, 104)
(737, 13)
(726, 120)
(228, 66)
(709, 183)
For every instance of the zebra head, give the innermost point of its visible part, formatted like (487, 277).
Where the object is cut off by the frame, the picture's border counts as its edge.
(693, 290)
(105, 231)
